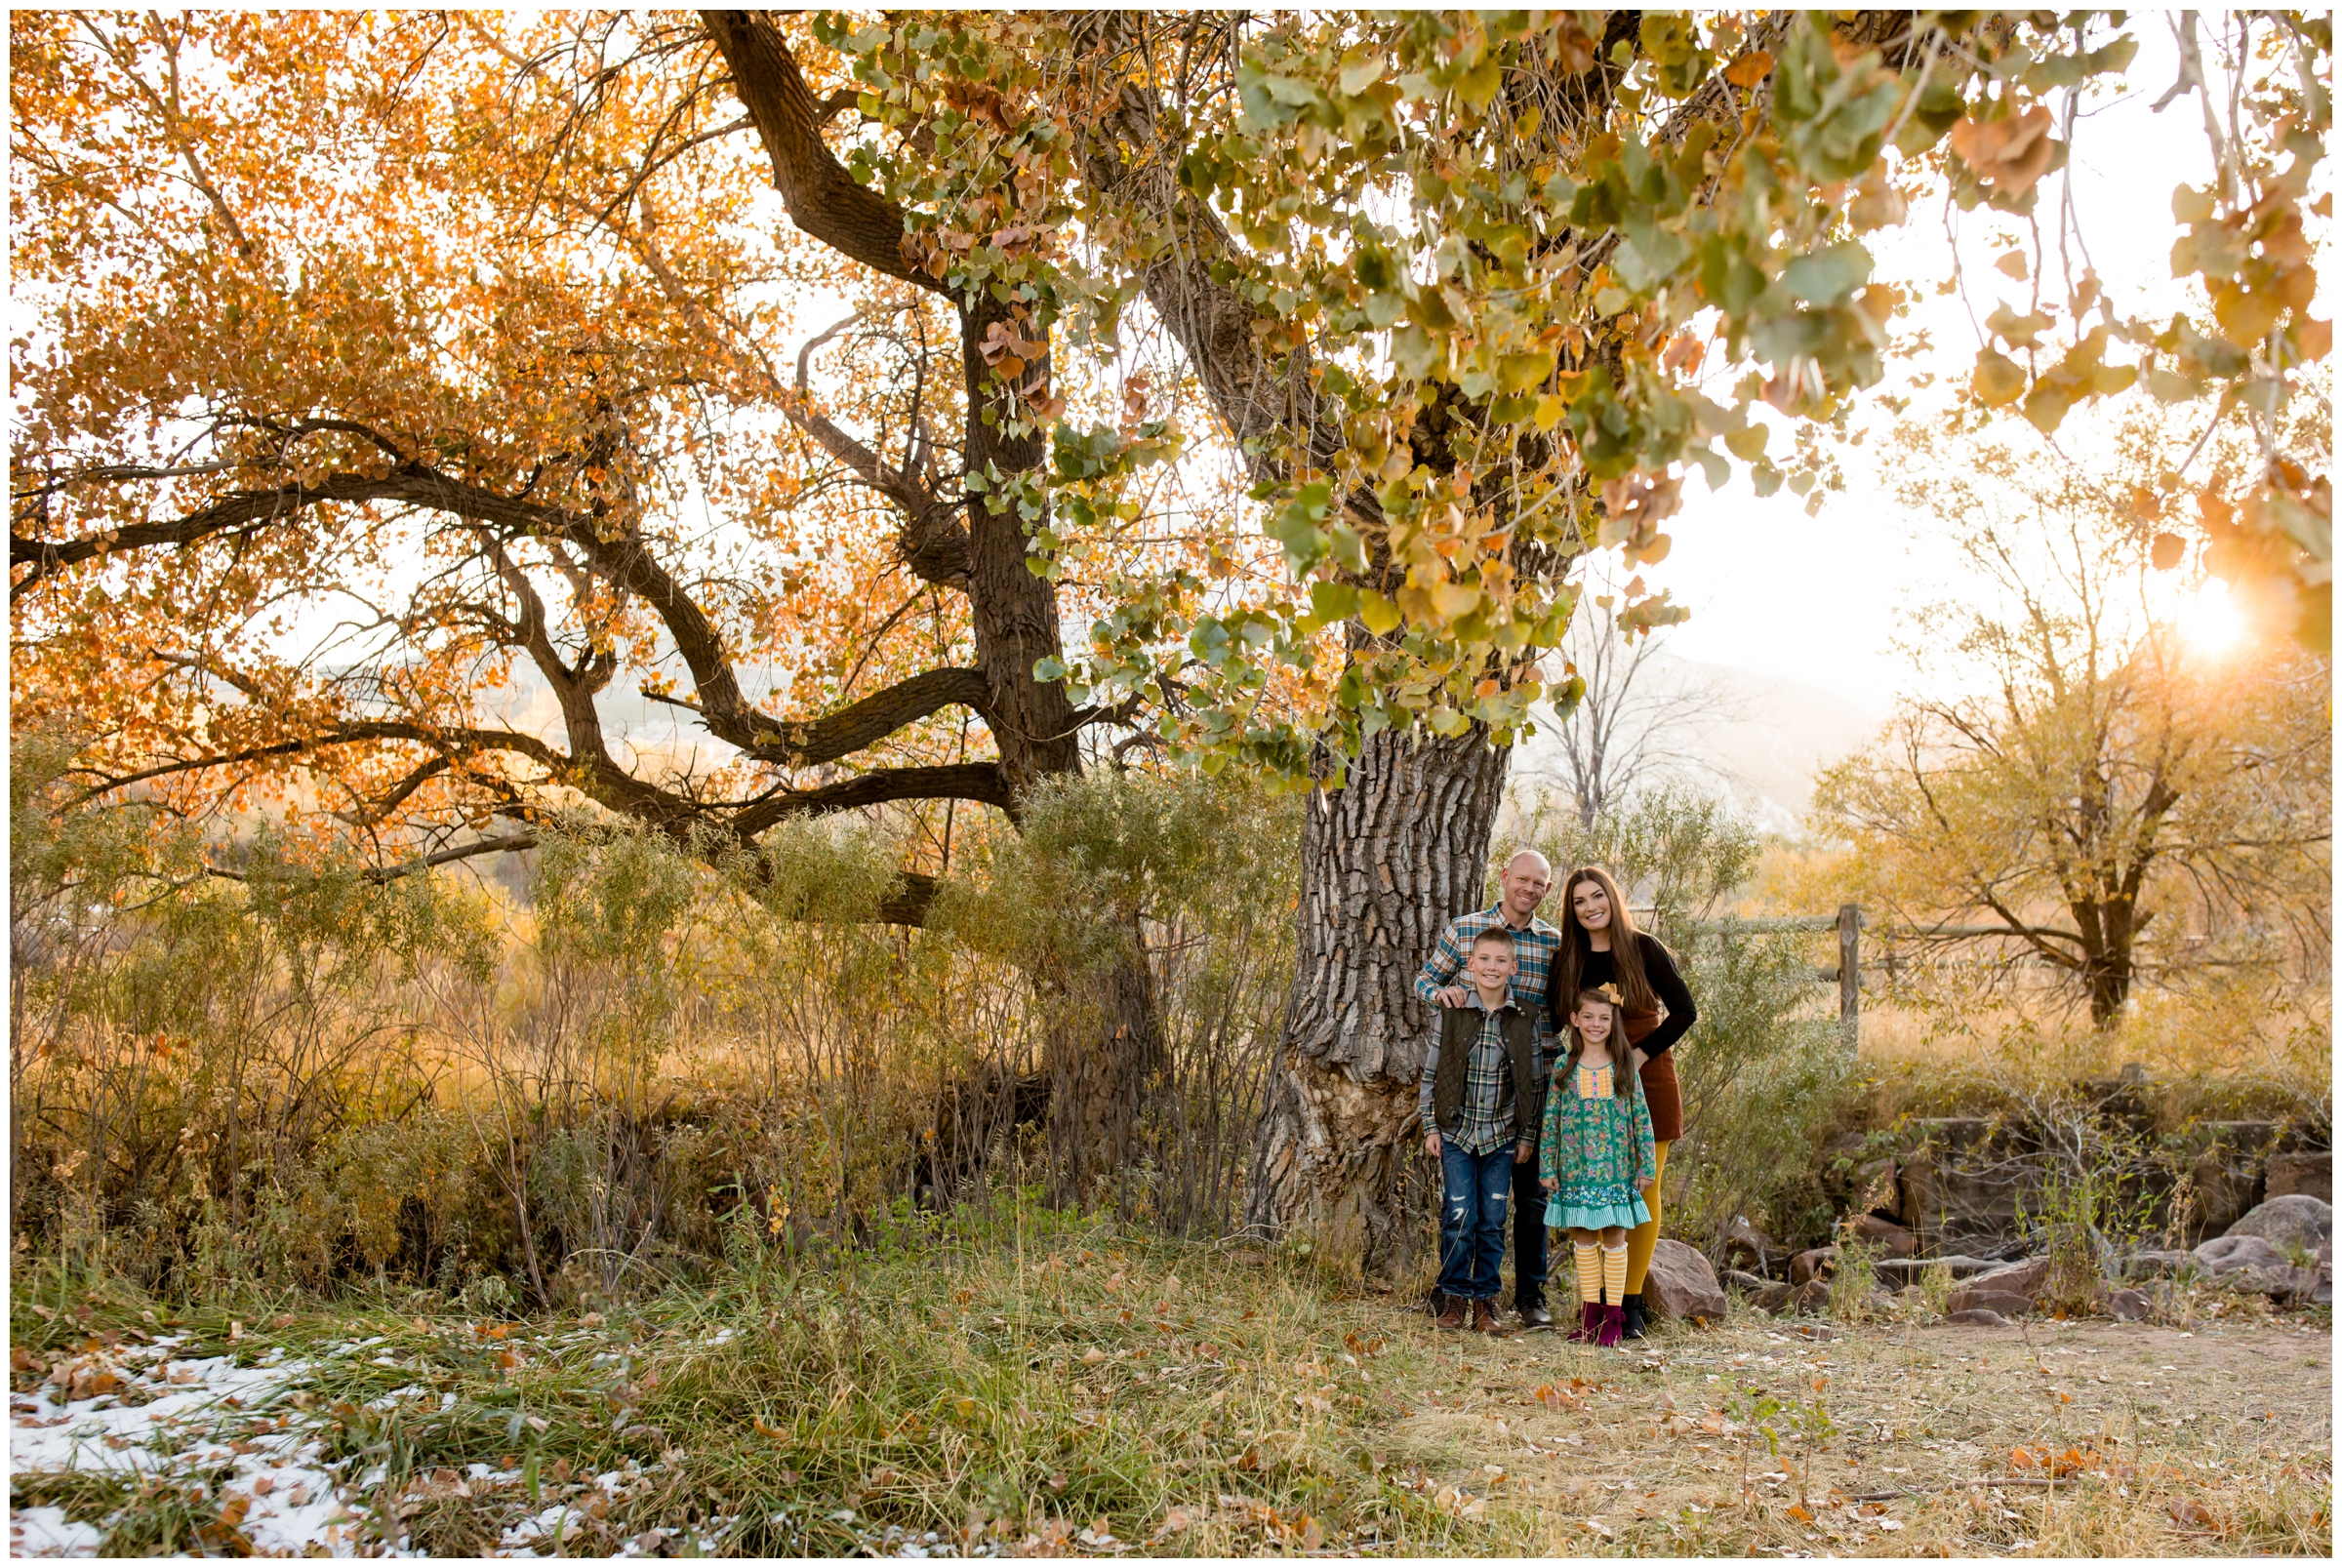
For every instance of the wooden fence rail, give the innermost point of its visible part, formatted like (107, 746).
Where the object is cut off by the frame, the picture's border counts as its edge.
(1848, 923)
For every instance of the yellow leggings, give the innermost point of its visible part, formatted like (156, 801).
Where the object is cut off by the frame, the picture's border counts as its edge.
(1644, 1239)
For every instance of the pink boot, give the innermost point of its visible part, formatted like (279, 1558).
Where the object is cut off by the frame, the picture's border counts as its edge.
(1613, 1326)
(1589, 1324)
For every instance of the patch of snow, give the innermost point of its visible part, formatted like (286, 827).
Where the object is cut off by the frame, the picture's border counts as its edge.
(44, 1532)
(203, 1415)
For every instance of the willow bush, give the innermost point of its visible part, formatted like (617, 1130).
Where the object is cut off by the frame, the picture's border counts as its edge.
(668, 1052)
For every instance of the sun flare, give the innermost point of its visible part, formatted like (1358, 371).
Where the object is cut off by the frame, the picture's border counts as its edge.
(2212, 620)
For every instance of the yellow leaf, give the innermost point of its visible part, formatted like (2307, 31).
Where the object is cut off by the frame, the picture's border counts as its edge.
(1999, 380)
(1455, 600)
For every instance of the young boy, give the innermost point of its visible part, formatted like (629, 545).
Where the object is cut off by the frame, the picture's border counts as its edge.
(1481, 1108)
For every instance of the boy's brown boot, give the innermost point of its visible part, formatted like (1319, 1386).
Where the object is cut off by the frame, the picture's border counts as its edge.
(1484, 1318)
(1454, 1312)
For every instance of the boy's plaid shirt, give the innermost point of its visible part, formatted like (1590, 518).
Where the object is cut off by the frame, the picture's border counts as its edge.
(1485, 1119)
(1536, 947)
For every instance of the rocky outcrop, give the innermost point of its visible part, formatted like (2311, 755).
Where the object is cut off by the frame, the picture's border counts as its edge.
(1883, 1236)
(2294, 1219)
(1817, 1262)
(1977, 1317)
(2011, 1290)
(1682, 1286)
(1900, 1272)
(2255, 1265)
(1748, 1248)
(2301, 1175)
(1766, 1295)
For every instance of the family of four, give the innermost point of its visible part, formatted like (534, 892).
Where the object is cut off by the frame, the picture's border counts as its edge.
(1549, 1084)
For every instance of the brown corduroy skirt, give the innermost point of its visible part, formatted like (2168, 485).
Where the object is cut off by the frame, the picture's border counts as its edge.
(1660, 1091)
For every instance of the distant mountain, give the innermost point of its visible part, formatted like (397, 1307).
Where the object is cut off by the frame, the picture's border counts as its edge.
(1775, 735)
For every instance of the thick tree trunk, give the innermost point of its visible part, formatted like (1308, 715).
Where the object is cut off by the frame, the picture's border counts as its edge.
(2108, 931)
(1106, 1051)
(1385, 862)
(1101, 1048)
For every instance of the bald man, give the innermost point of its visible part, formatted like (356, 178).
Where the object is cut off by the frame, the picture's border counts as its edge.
(1526, 879)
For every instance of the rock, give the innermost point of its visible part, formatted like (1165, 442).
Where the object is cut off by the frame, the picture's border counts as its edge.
(1884, 1235)
(1768, 1294)
(2120, 1301)
(2302, 1175)
(1746, 1247)
(1817, 1262)
(2024, 1278)
(1681, 1285)
(1811, 1297)
(2011, 1290)
(2006, 1303)
(1977, 1317)
(2153, 1264)
(1907, 1270)
(2295, 1218)
(2225, 1255)
(2284, 1282)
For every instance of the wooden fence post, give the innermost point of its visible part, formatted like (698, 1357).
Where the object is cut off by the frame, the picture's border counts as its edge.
(1849, 974)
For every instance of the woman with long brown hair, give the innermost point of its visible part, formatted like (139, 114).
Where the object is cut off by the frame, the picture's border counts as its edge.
(1601, 946)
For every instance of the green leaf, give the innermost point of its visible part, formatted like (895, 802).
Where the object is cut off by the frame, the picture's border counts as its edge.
(1381, 615)
(1330, 602)
(1348, 548)
(1414, 351)
(1828, 277)
(1359, 75)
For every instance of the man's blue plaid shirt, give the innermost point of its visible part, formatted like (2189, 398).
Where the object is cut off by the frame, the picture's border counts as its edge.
(1535, 949)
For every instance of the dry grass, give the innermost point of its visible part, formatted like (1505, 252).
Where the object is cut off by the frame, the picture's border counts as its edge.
(1006, 1391)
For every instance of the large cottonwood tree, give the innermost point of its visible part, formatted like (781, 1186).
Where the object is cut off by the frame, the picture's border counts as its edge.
(1464, 296)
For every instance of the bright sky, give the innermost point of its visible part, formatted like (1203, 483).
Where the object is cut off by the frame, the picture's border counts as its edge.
(1816, 598)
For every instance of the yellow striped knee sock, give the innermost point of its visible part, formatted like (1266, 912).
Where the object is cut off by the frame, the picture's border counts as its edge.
(1614, 1274)
(1590, 1272)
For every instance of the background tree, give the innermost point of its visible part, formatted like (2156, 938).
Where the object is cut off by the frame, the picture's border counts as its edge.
(2086, 774)
(427, 359)
(1639, 719)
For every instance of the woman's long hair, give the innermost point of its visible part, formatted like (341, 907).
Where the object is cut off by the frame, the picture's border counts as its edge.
(1626, 951)
(1625, 1082)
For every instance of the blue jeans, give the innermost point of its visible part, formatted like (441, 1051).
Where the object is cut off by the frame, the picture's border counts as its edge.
(1471, 1219)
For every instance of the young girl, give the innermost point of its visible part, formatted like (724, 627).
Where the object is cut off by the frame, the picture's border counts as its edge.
(1597, 1160)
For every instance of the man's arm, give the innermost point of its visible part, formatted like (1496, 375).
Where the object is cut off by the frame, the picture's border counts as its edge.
(1441, 970)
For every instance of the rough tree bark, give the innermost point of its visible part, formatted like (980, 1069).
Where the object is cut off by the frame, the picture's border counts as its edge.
(1385, 862)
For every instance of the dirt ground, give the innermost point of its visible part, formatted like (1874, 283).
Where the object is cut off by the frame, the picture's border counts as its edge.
(2042, 1438)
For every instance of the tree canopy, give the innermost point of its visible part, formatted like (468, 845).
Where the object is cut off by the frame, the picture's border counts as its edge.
(381, 369)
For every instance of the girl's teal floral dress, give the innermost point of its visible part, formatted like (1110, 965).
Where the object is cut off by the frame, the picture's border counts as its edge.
(1595, 1149)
